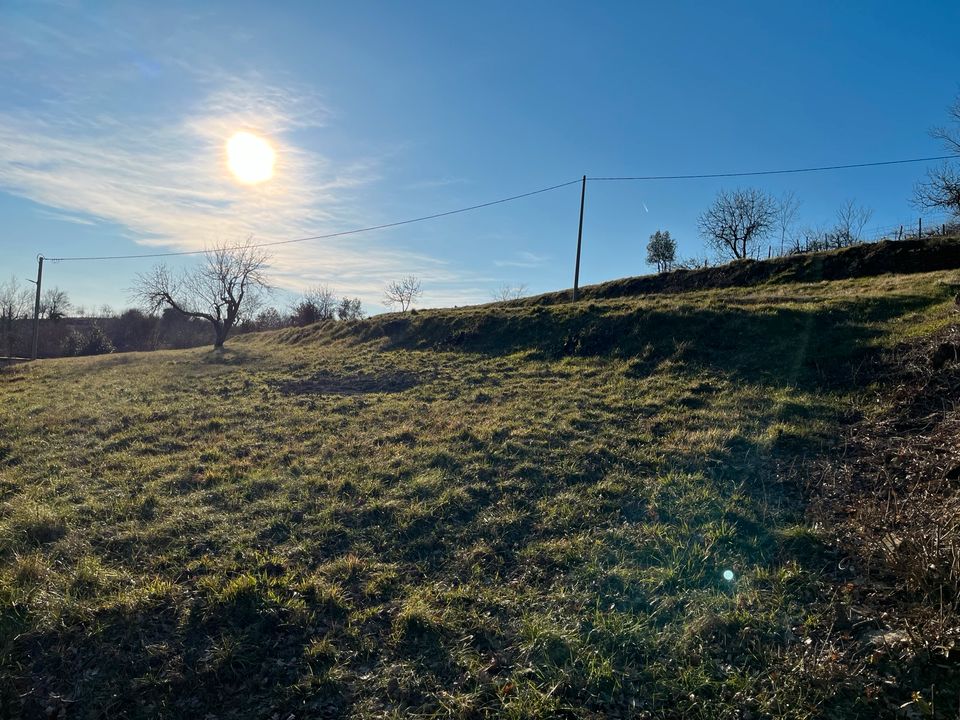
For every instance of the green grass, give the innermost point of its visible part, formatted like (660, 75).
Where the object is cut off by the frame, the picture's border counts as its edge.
(487, 512)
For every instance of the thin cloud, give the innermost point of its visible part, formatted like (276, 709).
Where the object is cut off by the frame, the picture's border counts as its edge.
(166, 183)
(436, 183)
(523, 259)
(92, 157)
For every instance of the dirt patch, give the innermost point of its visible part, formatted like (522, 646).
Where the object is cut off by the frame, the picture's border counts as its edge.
(331, 384)
(894, 493)
(888, 499)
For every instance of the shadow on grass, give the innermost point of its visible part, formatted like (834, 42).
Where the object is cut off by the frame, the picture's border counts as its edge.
(325, 383)
(804, 346)
(542, 520)
(244, 652)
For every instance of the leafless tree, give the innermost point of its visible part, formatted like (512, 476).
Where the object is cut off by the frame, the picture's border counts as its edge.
(321, 303)
(509, 292)
(14, 306)
(941, 191)
(225, 287)
(851, 219)
(737, 221)
(788, 210)
(324, 300)
(403, 293)
(54, 304)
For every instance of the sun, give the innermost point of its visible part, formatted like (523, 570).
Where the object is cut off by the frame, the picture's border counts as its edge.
(250, 158)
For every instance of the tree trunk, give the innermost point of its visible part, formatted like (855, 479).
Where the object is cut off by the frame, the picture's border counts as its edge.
(220, 335)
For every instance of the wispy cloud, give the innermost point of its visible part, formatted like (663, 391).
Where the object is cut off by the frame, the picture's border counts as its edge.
(434, 183)
(163, 177)
(523, 259)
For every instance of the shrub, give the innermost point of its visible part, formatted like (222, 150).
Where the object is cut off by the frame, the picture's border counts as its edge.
(92, 342)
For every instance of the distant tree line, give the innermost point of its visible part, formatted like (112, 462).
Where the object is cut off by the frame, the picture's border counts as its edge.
(63, 333)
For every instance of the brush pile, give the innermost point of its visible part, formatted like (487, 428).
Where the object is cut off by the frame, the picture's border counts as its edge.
(890, 500)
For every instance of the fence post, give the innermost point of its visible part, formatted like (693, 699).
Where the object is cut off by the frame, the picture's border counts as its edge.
(576, 272)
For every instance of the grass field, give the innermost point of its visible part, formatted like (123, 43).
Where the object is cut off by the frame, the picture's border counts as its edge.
(486, 512)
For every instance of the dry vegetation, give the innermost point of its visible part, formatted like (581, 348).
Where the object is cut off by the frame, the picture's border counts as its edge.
(508, 511)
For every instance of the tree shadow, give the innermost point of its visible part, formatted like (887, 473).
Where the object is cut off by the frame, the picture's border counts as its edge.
(808, 347)
(326, 383)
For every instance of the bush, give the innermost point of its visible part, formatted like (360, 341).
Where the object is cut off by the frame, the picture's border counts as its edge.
(92, 342)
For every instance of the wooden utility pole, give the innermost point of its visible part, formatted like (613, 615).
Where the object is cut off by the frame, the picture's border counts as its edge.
(919, 228)
(36, 310)
(576, 272)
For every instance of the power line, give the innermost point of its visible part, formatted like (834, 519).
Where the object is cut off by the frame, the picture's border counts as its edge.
(434, 216)
(331, 235)
(777, 172)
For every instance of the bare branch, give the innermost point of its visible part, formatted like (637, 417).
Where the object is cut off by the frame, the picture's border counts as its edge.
(509, 292)
(737, 221)
(402, 293)
(788, 210)
(941, 190)
(224, 289)
(851, 219)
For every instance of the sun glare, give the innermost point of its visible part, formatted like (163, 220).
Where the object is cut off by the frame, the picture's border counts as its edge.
(250, 158)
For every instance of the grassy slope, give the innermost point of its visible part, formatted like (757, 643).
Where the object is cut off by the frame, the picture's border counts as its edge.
(513, 511)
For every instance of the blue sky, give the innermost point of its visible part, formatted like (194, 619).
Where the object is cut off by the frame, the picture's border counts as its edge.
(115, 115)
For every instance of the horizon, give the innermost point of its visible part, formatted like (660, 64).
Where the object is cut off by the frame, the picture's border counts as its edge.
(117, 122)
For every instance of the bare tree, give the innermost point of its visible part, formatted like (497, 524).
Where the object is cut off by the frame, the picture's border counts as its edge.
(661, 250)
(509, 292)
(54, 304)
(324, 300)
(737, 221)
(788, 210)
(941, 190)
(227, 286)
(14, 306)
(851, 219)
(403, 293)
(318, 303)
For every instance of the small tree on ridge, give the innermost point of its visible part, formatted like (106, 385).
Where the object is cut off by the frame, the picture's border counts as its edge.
(661, 250)
(738, 221)
(403, 293)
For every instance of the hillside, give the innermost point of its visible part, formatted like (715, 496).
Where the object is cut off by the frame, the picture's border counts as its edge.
(533, 509)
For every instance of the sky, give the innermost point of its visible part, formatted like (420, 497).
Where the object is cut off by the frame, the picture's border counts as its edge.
(115, 116)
